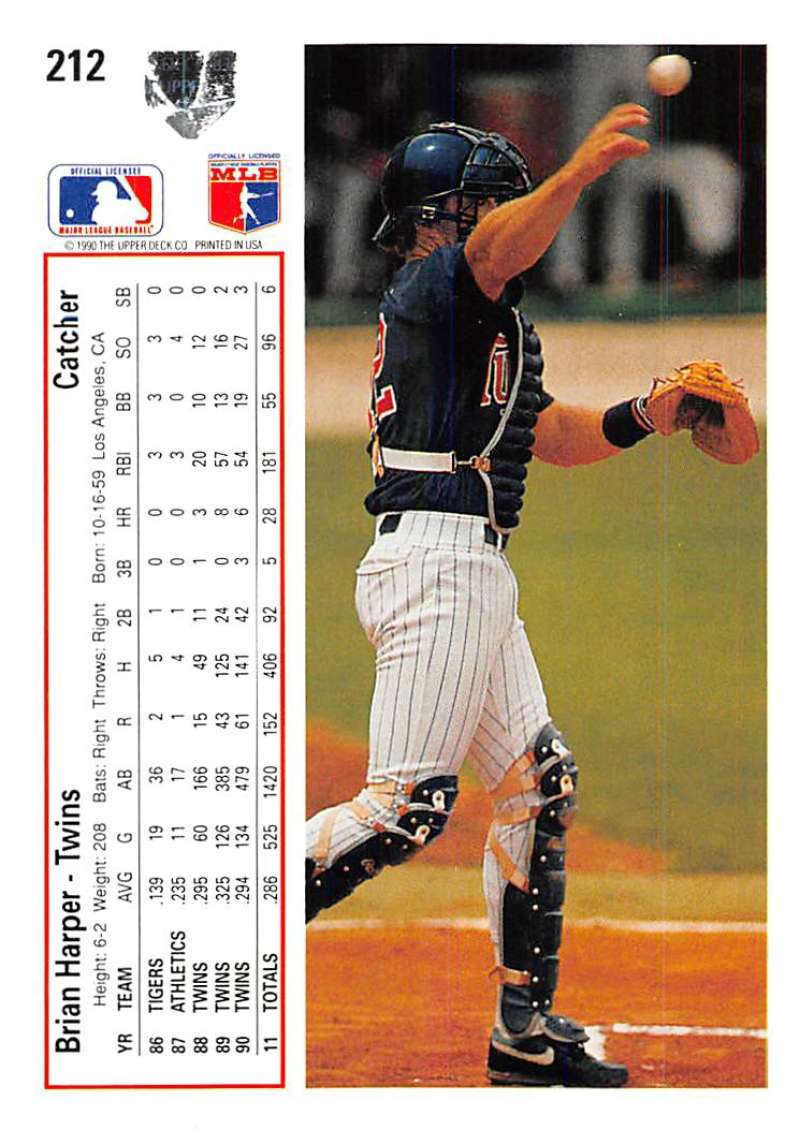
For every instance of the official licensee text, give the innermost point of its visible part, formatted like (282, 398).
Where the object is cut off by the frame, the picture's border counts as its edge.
(164, 670)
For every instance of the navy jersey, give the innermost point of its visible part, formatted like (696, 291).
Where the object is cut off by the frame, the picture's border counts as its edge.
(444, 366)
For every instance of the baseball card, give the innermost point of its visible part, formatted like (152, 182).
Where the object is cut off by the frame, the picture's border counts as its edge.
(387, 479)
(162, 272)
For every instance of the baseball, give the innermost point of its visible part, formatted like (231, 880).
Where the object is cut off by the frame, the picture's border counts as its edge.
(669, 74)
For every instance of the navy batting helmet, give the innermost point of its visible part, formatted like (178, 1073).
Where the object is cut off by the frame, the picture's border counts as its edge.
(448, 159)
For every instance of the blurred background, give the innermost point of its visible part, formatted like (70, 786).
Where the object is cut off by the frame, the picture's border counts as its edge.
(665, 234)
(642, 578)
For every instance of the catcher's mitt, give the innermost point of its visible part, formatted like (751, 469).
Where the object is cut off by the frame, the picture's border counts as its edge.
(702, 397)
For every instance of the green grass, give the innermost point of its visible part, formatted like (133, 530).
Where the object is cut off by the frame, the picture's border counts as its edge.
(427, 891)
(643, 583)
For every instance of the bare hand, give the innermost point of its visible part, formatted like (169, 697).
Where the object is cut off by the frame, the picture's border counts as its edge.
(607, 144)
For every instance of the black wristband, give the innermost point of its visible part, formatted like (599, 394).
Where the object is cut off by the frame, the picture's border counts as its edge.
(623, 425)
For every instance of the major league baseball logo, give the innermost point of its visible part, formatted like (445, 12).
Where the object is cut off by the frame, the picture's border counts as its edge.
(109, 200)
(244, 194)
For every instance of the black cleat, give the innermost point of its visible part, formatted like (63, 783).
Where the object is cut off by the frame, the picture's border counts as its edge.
(545, 1061)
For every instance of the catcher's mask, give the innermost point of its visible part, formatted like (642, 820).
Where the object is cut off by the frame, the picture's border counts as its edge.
(447, 159)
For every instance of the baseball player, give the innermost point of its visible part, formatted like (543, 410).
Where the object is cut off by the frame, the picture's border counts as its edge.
(457, 403)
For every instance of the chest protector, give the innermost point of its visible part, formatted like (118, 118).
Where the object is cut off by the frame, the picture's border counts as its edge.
(502, 462)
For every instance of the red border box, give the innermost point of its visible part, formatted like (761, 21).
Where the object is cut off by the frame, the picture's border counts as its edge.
(282, 637)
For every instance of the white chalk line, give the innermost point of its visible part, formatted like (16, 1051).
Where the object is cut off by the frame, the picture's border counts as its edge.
(632, 926)
(621, 1029)
(596, 1044)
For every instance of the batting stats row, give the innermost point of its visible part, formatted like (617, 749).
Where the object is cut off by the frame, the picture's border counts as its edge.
(164, 670)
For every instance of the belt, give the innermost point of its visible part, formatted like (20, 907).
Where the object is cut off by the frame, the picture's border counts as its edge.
(391, 522)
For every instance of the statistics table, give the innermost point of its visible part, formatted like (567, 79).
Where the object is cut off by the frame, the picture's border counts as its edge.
(164, 669)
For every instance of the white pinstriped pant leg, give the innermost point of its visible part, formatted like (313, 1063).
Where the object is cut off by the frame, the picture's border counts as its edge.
(434, 600)
(434, 619)
(454, 673)
(514, 711)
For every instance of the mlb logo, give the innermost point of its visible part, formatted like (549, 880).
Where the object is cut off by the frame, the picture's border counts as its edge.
(244, 194)
(107, 200)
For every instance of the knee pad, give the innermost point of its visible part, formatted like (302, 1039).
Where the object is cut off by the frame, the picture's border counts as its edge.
(558, 781)
(531, 910)
(409, 817)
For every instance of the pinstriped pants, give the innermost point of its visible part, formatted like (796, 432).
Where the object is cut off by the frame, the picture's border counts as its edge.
(455, 677)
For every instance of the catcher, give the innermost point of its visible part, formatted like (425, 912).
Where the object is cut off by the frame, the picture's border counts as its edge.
(458, 409)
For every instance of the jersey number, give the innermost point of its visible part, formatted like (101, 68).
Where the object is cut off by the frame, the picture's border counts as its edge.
(496, 387)
(383, 404)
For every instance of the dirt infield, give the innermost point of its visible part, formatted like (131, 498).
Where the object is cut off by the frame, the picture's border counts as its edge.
(637, 987)
(592, 363)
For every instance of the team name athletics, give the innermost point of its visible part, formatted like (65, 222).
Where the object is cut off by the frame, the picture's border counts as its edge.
(69, 342)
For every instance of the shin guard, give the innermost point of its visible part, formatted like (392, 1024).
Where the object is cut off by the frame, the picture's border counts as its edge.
(396, 821)
(531, 911)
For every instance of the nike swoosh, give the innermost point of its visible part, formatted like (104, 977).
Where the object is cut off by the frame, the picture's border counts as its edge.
(543, 1059)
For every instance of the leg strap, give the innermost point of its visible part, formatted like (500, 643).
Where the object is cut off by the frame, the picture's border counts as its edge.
(508, 868)
(320, 852)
